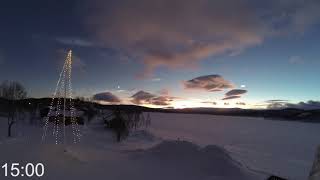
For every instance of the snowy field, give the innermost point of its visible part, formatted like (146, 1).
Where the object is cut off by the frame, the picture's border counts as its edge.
(283, 148)
(175, 146)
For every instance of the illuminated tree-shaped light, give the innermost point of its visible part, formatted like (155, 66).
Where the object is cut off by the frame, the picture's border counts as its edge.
(61, 109)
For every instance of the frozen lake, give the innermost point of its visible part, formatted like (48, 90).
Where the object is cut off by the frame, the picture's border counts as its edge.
(283, 148)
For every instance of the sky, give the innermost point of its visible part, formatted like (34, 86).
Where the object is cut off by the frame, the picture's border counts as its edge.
(168, 53)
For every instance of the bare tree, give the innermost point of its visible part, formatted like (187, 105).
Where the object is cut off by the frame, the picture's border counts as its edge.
(12, 91)
(123, 121)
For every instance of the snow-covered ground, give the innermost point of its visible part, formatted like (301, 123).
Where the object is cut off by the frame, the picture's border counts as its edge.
(283, 148)
(175, 146)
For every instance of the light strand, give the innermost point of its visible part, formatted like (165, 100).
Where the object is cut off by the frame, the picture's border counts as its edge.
(63, 91)
(51, 104)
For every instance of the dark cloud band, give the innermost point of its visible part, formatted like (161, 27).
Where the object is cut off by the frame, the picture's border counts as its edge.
(106, 97)
(208, 83)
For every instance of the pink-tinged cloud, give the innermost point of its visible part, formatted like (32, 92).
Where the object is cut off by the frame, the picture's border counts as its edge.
(143, 97)
(161, 101)
(106, 97)
(180, 33)
(175, 33)
(208, 83)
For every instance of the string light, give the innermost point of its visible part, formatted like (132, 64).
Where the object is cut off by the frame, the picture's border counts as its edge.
(63, 91)
(72, 118)
(51, 104)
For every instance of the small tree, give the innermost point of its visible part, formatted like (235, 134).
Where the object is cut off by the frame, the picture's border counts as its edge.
(123, 121)
(12, 91)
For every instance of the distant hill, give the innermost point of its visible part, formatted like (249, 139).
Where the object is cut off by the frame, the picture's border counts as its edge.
(290, 114)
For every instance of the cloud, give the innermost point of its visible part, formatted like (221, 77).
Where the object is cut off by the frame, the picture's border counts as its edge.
(175, 33)
(155, 79)
(209, 102)
(240, 103)
(75, 41)
(208, 83)
(143, 97)
(301, 105)
(275, 103)
(180, 33)
(236, 92)
(306, 105)
(231, 97)
(106, 97)
(160, 101)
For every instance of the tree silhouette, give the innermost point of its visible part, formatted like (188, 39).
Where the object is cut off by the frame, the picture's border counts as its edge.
(12, 91)
(123, 121)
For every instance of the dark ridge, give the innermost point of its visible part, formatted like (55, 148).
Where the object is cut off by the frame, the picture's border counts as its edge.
(289, 114)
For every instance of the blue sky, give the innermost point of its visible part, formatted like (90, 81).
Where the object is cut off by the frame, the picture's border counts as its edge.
(162, 49)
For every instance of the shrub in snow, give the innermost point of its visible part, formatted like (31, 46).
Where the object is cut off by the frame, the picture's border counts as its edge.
(118, 125)
(123, 121)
